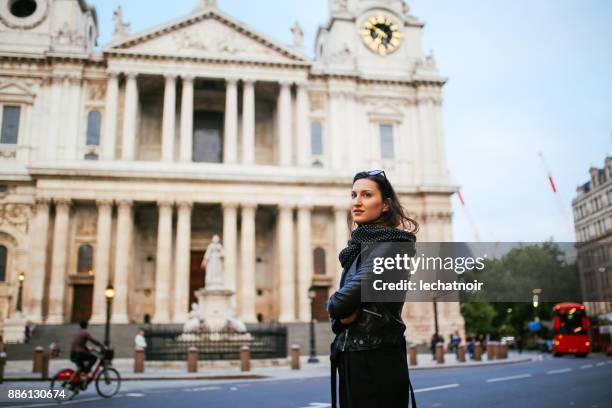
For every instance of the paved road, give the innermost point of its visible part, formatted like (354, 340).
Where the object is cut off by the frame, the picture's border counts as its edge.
(551, 382)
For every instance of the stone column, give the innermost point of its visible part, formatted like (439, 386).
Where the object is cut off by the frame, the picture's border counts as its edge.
(35, 282)
(284, 124)
(110, 117)
(341, 234)
(286, 264)
(230, 148)
(248, 122)
(168, 118)
(187, 119)
(246, 303)
(130, 109)
(163, 263)
(182, 262)
(73, 116)
(336, 129)
(305, 266)
(57, 285)
(303, 126)
(125, 222)
(102, 260)
(229, 245)
(51, 144)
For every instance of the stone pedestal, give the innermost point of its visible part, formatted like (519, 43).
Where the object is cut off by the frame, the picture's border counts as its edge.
(215, 307)
(14, 330)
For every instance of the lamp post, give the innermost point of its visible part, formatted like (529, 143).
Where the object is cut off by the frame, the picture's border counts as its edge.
(435, 305)
(19, 306)
(109, 294)
(312, 293)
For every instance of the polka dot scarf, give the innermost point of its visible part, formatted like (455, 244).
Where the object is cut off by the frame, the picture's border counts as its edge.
(368, 233)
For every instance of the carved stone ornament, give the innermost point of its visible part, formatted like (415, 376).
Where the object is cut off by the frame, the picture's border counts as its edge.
(96, 90)
(317, 101)
(15, 215)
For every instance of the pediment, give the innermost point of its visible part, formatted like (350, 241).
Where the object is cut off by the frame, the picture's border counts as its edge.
(209, 34)
(15, 92)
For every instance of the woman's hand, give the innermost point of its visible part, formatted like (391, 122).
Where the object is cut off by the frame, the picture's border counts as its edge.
(350, 319)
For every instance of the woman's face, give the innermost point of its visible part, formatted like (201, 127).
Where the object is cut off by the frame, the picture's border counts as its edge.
(367, 203)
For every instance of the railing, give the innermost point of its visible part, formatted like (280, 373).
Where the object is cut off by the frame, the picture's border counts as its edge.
(166, 343)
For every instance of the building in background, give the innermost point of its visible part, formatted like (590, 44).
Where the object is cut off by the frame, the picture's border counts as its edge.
(593, 223)
(120, 164)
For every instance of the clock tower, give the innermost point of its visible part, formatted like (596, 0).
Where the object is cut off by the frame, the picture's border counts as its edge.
(371, 38)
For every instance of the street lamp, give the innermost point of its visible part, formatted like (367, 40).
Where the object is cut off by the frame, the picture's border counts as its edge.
(20, 292)
(312, 293)
(109, 294)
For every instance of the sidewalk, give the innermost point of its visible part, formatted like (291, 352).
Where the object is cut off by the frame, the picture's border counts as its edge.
(21, 370)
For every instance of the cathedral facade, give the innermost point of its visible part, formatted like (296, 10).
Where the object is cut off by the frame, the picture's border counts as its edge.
(119, 164)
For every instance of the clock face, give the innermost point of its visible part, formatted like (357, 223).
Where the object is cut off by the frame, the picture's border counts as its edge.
(380, 34)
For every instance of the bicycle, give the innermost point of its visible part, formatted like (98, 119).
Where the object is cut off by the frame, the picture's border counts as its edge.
(67, 383)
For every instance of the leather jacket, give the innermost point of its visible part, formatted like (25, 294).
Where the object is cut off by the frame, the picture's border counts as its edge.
(377, 324)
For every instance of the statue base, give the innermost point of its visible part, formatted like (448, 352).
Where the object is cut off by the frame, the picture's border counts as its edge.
(216, 311)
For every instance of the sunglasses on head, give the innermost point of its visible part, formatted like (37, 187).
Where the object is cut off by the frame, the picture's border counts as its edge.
(376, 173)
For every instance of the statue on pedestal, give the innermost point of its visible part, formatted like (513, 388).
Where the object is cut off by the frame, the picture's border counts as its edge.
(213, 262)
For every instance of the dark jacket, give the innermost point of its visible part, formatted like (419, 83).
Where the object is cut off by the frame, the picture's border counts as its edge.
(378, 324)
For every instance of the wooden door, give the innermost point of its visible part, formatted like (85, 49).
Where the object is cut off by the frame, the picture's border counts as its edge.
(82, 299)
(319, 313)
(196, 275)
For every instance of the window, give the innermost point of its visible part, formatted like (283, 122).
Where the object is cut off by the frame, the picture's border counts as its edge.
(316, 138)
(10, 124)
(94, 119)
(85, 259)
(3, 261)
(386, 141)
(319, 261)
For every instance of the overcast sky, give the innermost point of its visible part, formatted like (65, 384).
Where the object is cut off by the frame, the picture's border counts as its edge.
(524, 76)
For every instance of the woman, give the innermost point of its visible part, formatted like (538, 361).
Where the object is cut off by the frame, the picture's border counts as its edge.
(369, 350)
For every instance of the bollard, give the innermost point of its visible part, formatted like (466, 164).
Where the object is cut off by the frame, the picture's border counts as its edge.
(295, 357)
(440, 353)
(44, 372)
(491, 350)
(413, 355)
(461, 353)
(502, 351)
(139, 359)
(2, 364)
(192, 360)
(245, 358)
(37, 361)
(477, 352)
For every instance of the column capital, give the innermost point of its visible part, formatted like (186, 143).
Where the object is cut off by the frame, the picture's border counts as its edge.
(284, 83)
(170, 77)
(104, 202)
(124, 203)
(249, 81)
(231, 81)
(305, 206)
(251, 205)
(42, 201)
(62, 202)
(229, 204)
(286, 206)
(112, 74)
(130, 75)
(187, 78)
(184, 204)
(164, 203)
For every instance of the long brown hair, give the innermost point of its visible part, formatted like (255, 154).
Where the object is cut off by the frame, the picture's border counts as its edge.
(395, 216)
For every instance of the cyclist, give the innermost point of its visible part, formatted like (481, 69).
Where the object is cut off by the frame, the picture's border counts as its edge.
(80, 354)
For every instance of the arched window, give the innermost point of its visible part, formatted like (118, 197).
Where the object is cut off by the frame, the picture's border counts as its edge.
(94, 120)
(85, 259)
(319, 261)
(3, 262)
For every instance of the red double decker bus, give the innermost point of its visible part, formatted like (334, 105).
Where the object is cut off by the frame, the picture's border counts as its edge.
(570, 330)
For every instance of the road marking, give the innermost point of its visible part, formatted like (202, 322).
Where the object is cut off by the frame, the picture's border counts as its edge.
(439, 387)
(318, 405)
(134, 394)
(562, 370)
(512, 377)
(55, 404)
(586, 366)
(233, 389)
(599, 364)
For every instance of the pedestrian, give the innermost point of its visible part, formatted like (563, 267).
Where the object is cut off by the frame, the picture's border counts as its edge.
(434, 342)
(369, 350)
(470, 346)
(519, 344)
(140, 343)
